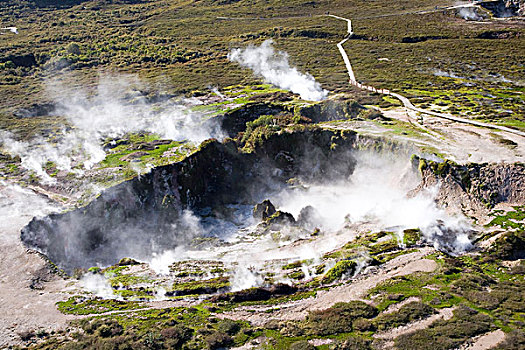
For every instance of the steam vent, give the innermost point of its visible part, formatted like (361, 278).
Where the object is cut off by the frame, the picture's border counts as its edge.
(262, 175)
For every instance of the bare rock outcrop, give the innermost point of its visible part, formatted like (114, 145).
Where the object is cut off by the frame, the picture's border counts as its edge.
(473, 189)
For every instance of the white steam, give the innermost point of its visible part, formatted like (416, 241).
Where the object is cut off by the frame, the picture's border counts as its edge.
(245, 277)
(116, 108)
(98, 285)
(13, 30)
(469, 14)
(160, 263)
(274, 67)
(376, 193)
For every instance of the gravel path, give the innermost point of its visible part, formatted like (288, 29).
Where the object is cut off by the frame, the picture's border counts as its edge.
(405, 101)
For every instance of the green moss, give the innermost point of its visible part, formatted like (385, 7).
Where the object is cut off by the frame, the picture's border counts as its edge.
(85, 306)
(411, 236)
(201, 287)
(297, 264)
(341, 268)
(513, 219)
(296, 275)
(126, 280)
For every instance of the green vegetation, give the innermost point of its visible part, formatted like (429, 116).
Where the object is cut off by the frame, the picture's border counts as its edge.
(78, 305)
(201, 287)
(179, 48)
(441, 335)
(410, 312)
(188, 328)
(341, 268)
(152, 38)
(338, 319)
(513, 219)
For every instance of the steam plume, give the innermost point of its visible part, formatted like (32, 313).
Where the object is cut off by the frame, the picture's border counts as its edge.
(469, 14)
(274, 67)
(116, 108)
(98, 285)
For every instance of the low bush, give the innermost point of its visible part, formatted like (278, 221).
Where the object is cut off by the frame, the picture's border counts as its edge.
(407, 313)
(339, 318)
(218, 340)
(441, 335)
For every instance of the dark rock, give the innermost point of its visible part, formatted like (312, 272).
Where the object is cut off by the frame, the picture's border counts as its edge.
(20, 60)
(309, 218)
(510, 246)
(473, 187)
(282, 289)
(263, 210)
(128, 261)
(251, 294)
(497, 34)
(279, 220)
(331, 110)
(234, 122)
(115, 143)
(35, 110)
(256, 294)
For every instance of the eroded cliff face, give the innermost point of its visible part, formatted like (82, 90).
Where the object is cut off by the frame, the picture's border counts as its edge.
(505, 8)
(518, 6)
(474, 189)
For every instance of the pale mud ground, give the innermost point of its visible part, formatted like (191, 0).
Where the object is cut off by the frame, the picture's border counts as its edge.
(460, 142)
(23, 308)
(485, 341)
(354, 290)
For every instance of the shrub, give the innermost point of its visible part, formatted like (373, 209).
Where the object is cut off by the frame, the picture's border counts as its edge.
(302, 345)
(339, 318)
(73, 49)
(228, 326)
(218, 340)
(513, 340)
(177, 335)
(407, 313)
(442, 335)
(109, 329)
(353, 343)
(363, 325)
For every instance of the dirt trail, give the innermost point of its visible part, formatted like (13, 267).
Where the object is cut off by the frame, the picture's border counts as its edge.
(23, 308)
(405, 101)
(354, 290)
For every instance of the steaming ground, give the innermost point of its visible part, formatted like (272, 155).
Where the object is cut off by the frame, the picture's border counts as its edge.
(372, 199)
(115, 108)
(24, 308)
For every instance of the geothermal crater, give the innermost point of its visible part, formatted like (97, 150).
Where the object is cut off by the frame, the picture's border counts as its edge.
(322, 186)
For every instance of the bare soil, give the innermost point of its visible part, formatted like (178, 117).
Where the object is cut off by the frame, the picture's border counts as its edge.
(28, 291)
